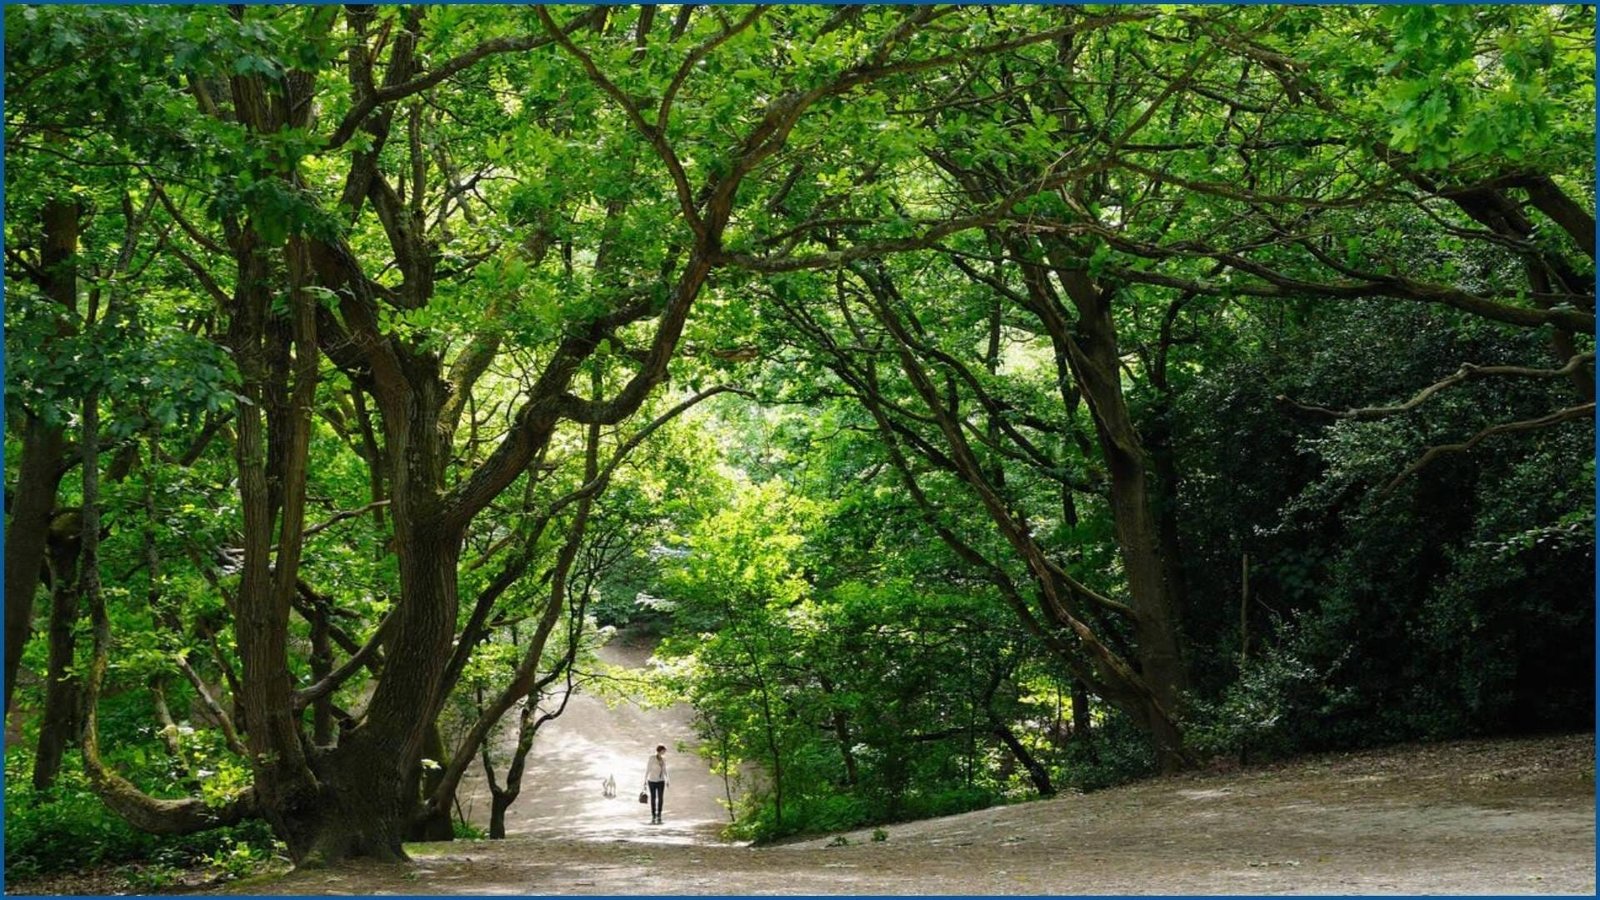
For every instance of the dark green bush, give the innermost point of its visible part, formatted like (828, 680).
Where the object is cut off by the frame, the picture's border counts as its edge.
(466, 831)
(1117, 754)
(948, 801)
(804, 815)
(824, 813)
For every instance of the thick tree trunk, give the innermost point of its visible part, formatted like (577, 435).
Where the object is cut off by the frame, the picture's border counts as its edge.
(270, 456)
(1148, 692)
(39, 468)
(360, 811)
(31, 507)
(369, 797)
(1096, 363)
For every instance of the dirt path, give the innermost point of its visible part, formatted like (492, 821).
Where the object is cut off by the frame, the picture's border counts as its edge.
(1478, 817)
(561, 792)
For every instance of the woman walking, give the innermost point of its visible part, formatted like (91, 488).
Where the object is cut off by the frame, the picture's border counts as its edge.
(655, 781)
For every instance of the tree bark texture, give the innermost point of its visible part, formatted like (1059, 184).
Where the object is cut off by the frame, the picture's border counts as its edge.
(58, 725)
(1095, 357)
(43, 446)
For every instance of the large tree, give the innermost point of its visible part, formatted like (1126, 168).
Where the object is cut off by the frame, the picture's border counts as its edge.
(417, 228)
(1194, 156)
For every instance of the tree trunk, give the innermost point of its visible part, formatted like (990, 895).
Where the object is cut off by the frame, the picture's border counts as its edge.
(1148, 693)
(321, 667)
(59, 723)
(430, 823)
(501, 800)
(1096, 363)
(37, 479)
(43, 444)
(841, 733)
(370, 778)
(1164, 506)
(1036, 772)
(1082, 727)
(270, 457)
(360, 810)
(498, 804)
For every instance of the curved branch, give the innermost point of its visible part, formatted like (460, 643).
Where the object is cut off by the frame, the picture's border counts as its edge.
(698, 53)
(147, 813)
(1273, 283)
(389, 93)
(1585, 410)
(343, 515)
(1575, 220)
(1467, 372)
(312, 693)
(526, 675)
(656, 136)
(930, 236)
(229, 734)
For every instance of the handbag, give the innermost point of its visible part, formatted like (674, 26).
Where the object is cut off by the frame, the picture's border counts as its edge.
(644, 796)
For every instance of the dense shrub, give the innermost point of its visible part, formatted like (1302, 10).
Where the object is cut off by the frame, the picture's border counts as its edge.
(1459, 603)
(66, 827)
(1117, 754)
(845, 811)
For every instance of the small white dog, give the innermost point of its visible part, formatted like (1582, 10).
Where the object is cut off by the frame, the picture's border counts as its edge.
(609, 786)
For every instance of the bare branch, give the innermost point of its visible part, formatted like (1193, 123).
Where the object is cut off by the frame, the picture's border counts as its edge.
(342, 515)
(1467, 372)
(1571, 413)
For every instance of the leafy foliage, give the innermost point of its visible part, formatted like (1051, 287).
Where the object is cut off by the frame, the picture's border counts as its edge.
(67, 828)
(978, 402)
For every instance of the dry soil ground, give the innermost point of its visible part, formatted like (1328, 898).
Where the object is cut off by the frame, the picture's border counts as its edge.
(1478, 817)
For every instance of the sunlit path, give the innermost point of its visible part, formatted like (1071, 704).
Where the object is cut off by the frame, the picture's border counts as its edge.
(572, 755)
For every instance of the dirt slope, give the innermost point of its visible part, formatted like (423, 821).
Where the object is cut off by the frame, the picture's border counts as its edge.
(1479, 817)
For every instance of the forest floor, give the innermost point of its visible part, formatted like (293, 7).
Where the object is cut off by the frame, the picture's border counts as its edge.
(1474, 817)
(1508, 816)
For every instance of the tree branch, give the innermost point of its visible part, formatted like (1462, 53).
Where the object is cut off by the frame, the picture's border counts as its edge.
(656, 136)
(312, 693)
(1467, 372)
(389, 93)
(1571, 413)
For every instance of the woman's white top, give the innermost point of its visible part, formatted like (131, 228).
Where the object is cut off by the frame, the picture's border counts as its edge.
(655, 768)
